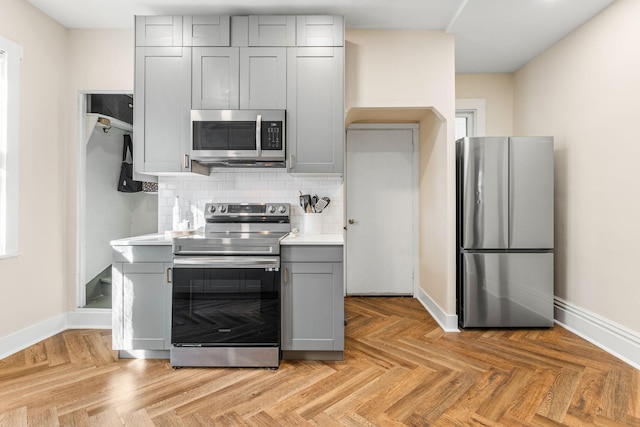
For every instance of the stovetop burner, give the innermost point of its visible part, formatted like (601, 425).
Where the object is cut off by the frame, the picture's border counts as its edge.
(238, 228)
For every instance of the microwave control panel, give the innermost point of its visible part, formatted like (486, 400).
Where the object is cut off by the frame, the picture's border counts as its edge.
(271, 135)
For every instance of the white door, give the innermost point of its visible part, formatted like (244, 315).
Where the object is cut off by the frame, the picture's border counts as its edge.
(380, 212)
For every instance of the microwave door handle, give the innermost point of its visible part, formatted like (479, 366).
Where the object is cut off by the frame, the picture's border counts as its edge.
(259, 135)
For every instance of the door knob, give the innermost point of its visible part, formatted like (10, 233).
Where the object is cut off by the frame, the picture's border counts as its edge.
(352, 221)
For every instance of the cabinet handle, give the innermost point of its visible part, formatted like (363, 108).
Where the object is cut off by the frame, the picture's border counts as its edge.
(186, 161)
(290, 161)
(286, 276)
(169, 275)
(259, 135)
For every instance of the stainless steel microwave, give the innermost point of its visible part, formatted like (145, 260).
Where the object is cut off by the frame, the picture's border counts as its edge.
(238, 138)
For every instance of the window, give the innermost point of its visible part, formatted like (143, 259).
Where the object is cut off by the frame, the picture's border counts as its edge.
(10, 59)
(465, 123)
(470, 117)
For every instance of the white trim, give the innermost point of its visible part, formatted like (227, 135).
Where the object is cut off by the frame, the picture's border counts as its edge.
(9, 209)
(81, 319)
(81, 191)
(32, 335)
(615, 339)
(477, 105)
(448, 322)
(415, 182)
(89, 318)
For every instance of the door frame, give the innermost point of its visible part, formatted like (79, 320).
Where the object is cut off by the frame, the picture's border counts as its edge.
(415, 258)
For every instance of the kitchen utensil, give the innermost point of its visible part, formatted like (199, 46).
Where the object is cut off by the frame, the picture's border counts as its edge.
(314, 200)
(322, 204)
(305, 202)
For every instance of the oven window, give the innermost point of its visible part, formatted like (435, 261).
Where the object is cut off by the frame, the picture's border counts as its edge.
(216, 307)
(234, 135)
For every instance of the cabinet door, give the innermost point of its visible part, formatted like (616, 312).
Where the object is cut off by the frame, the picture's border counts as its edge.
(313, 309)
(206, 30)
(272, 30)
(263, 78)
(215, 78)
(158, 30)
(319, 30)
(162, 112)
(146, 306)
(315, 107)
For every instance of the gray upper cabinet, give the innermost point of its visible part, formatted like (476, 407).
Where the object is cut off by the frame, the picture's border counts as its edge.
(162, 115)
(245, 78)
(158, 30)
(319, 30)
(263, 78)
(315, 108)
(272, 30)
(206, 30)
(215, 78)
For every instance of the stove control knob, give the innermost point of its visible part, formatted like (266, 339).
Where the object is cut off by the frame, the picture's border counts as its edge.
(271, 209)
(282, 209)
(212, 209)
(222, 208)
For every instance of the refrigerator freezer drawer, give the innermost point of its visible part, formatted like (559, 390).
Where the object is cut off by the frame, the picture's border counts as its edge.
(506, 290)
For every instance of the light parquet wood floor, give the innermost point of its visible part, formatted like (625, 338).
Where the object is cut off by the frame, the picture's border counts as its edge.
(399, 369)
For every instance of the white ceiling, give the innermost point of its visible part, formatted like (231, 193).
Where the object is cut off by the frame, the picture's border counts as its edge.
(492, 36)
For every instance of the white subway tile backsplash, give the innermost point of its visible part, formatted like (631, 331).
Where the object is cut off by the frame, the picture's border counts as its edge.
(248, 185)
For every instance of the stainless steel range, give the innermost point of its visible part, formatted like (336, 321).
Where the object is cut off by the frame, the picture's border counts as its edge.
(226, 288)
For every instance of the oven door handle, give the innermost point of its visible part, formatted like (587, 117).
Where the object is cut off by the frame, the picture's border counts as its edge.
(226, 262)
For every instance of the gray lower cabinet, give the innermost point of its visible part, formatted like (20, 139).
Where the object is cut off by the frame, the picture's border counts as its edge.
(141, 289)
(312, 302)
(315, 109)
(161, 117)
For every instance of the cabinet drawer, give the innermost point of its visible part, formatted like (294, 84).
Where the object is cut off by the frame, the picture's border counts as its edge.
(143, 254)
(311, 253)
(143, 268)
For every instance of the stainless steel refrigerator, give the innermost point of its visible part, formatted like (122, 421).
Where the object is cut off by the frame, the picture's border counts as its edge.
(505, 231)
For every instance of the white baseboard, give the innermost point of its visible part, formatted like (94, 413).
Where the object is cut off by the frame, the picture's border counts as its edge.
(615, 339)
(448, 322)
(80, 319)
(89, 319)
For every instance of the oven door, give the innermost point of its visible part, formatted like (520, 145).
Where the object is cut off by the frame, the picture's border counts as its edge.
(223, 301)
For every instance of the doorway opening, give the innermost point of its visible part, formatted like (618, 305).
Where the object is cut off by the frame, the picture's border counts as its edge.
(104, 213)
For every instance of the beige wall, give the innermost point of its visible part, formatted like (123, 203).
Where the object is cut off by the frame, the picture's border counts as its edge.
(32, 284)
(40, 283)
(584, 91)
(397, 69)
(497, 91)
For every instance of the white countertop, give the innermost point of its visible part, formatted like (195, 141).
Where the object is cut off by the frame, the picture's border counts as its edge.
(292, 239)
(313, 239)
(144, 240)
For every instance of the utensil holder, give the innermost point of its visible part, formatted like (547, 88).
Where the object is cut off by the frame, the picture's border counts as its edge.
(312, 223)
